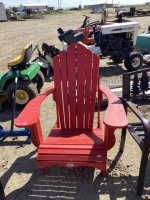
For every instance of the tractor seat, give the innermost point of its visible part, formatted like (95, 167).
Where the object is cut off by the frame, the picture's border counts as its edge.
(69, 37)
(23, 58)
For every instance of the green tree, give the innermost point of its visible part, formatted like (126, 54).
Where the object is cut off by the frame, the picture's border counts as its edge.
(15, 9)
(7, 11)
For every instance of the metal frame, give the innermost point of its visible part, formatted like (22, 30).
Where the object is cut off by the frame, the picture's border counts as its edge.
(140, 131)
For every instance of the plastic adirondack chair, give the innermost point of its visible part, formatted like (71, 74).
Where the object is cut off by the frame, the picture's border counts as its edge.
(73, 141)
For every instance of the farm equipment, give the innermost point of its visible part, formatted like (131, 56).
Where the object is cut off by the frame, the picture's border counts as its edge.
(115, 40)
(30, 79)
(87, 28)
(143, 45)
(45, 60)
(15, 133)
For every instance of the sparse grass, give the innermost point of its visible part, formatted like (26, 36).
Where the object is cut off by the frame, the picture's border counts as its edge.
(56, 12)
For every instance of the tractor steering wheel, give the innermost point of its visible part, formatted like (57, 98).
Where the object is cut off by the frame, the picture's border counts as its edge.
(86, 16)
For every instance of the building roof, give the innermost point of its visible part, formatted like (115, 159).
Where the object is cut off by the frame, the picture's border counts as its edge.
(33, 4)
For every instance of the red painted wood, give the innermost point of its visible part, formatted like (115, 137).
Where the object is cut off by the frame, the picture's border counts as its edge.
(76, 82)
(71, 64)
(76, 136)
(51, 146)
(71, 158)
(36, 133)
(88, 86)
(100, 97)
(71, 152)
(31, 112)
(45, 170)
(80, 84)
(42, 164)
(115, 116)
(64, 86)
(96, 62)
(56, 63)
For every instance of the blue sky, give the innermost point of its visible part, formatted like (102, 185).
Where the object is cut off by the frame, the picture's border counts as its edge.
(68, 3)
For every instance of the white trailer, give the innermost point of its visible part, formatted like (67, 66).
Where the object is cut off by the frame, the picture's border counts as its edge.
(3, 17)
(40, 7)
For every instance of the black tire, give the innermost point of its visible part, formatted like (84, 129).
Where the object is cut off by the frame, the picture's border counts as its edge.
(26, 91)
(91, 35)
(2, 195)
(40, 80)
(133, 61)
(118, 58)
(1, 109)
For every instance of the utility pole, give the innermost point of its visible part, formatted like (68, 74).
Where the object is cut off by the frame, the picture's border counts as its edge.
(58, 4)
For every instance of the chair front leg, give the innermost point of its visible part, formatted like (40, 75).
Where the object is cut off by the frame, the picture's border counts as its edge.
(123, 137)
(142, 170)
(109, 140)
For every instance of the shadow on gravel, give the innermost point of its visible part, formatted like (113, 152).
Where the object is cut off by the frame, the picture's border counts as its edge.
(7, 113)
(61, 183)
(49, 77)
(114, 69)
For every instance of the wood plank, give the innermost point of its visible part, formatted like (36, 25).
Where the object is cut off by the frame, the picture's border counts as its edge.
(88, 86)
(96, 62)
(115, 108)
(71, 63)
(80, 84)
(64, 86)
(51, 146)
(71, 151)
(75, 137)
(58, 89)
(100, 166)
(71, 158)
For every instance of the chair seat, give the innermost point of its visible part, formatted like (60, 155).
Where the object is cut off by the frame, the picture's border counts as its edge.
(72, 148)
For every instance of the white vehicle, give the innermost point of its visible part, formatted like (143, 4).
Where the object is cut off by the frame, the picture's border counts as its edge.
(116, 40)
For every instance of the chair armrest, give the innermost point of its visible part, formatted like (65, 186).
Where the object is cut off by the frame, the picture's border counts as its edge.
(114, 116)
(143, 119)
(31, 112)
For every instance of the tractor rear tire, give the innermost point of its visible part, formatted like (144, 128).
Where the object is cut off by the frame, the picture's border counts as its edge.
(26, 91)
(133, 61)
(118, 58)
(40, 81)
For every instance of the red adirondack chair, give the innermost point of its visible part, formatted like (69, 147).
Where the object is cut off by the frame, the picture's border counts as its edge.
(73, 141)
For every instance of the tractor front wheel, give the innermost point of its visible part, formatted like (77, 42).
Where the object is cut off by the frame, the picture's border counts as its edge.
(26, 91)
(133, 61)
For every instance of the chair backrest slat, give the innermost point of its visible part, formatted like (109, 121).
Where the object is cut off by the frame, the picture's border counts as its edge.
(93, 90)
(88, 86)
(59, 91)
(64, 86)
(71, 64)
(76, 77)
(80, 85)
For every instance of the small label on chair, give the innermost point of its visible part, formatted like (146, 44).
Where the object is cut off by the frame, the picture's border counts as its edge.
(70, 165)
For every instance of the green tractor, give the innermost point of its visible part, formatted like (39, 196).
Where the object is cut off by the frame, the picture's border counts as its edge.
(30, 80)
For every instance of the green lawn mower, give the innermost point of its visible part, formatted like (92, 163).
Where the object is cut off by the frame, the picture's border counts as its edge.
(30, 80)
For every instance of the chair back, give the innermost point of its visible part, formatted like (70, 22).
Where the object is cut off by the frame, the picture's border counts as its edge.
(76, 78)
(136, 86)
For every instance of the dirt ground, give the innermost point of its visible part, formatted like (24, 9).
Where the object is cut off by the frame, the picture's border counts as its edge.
(19, 175)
